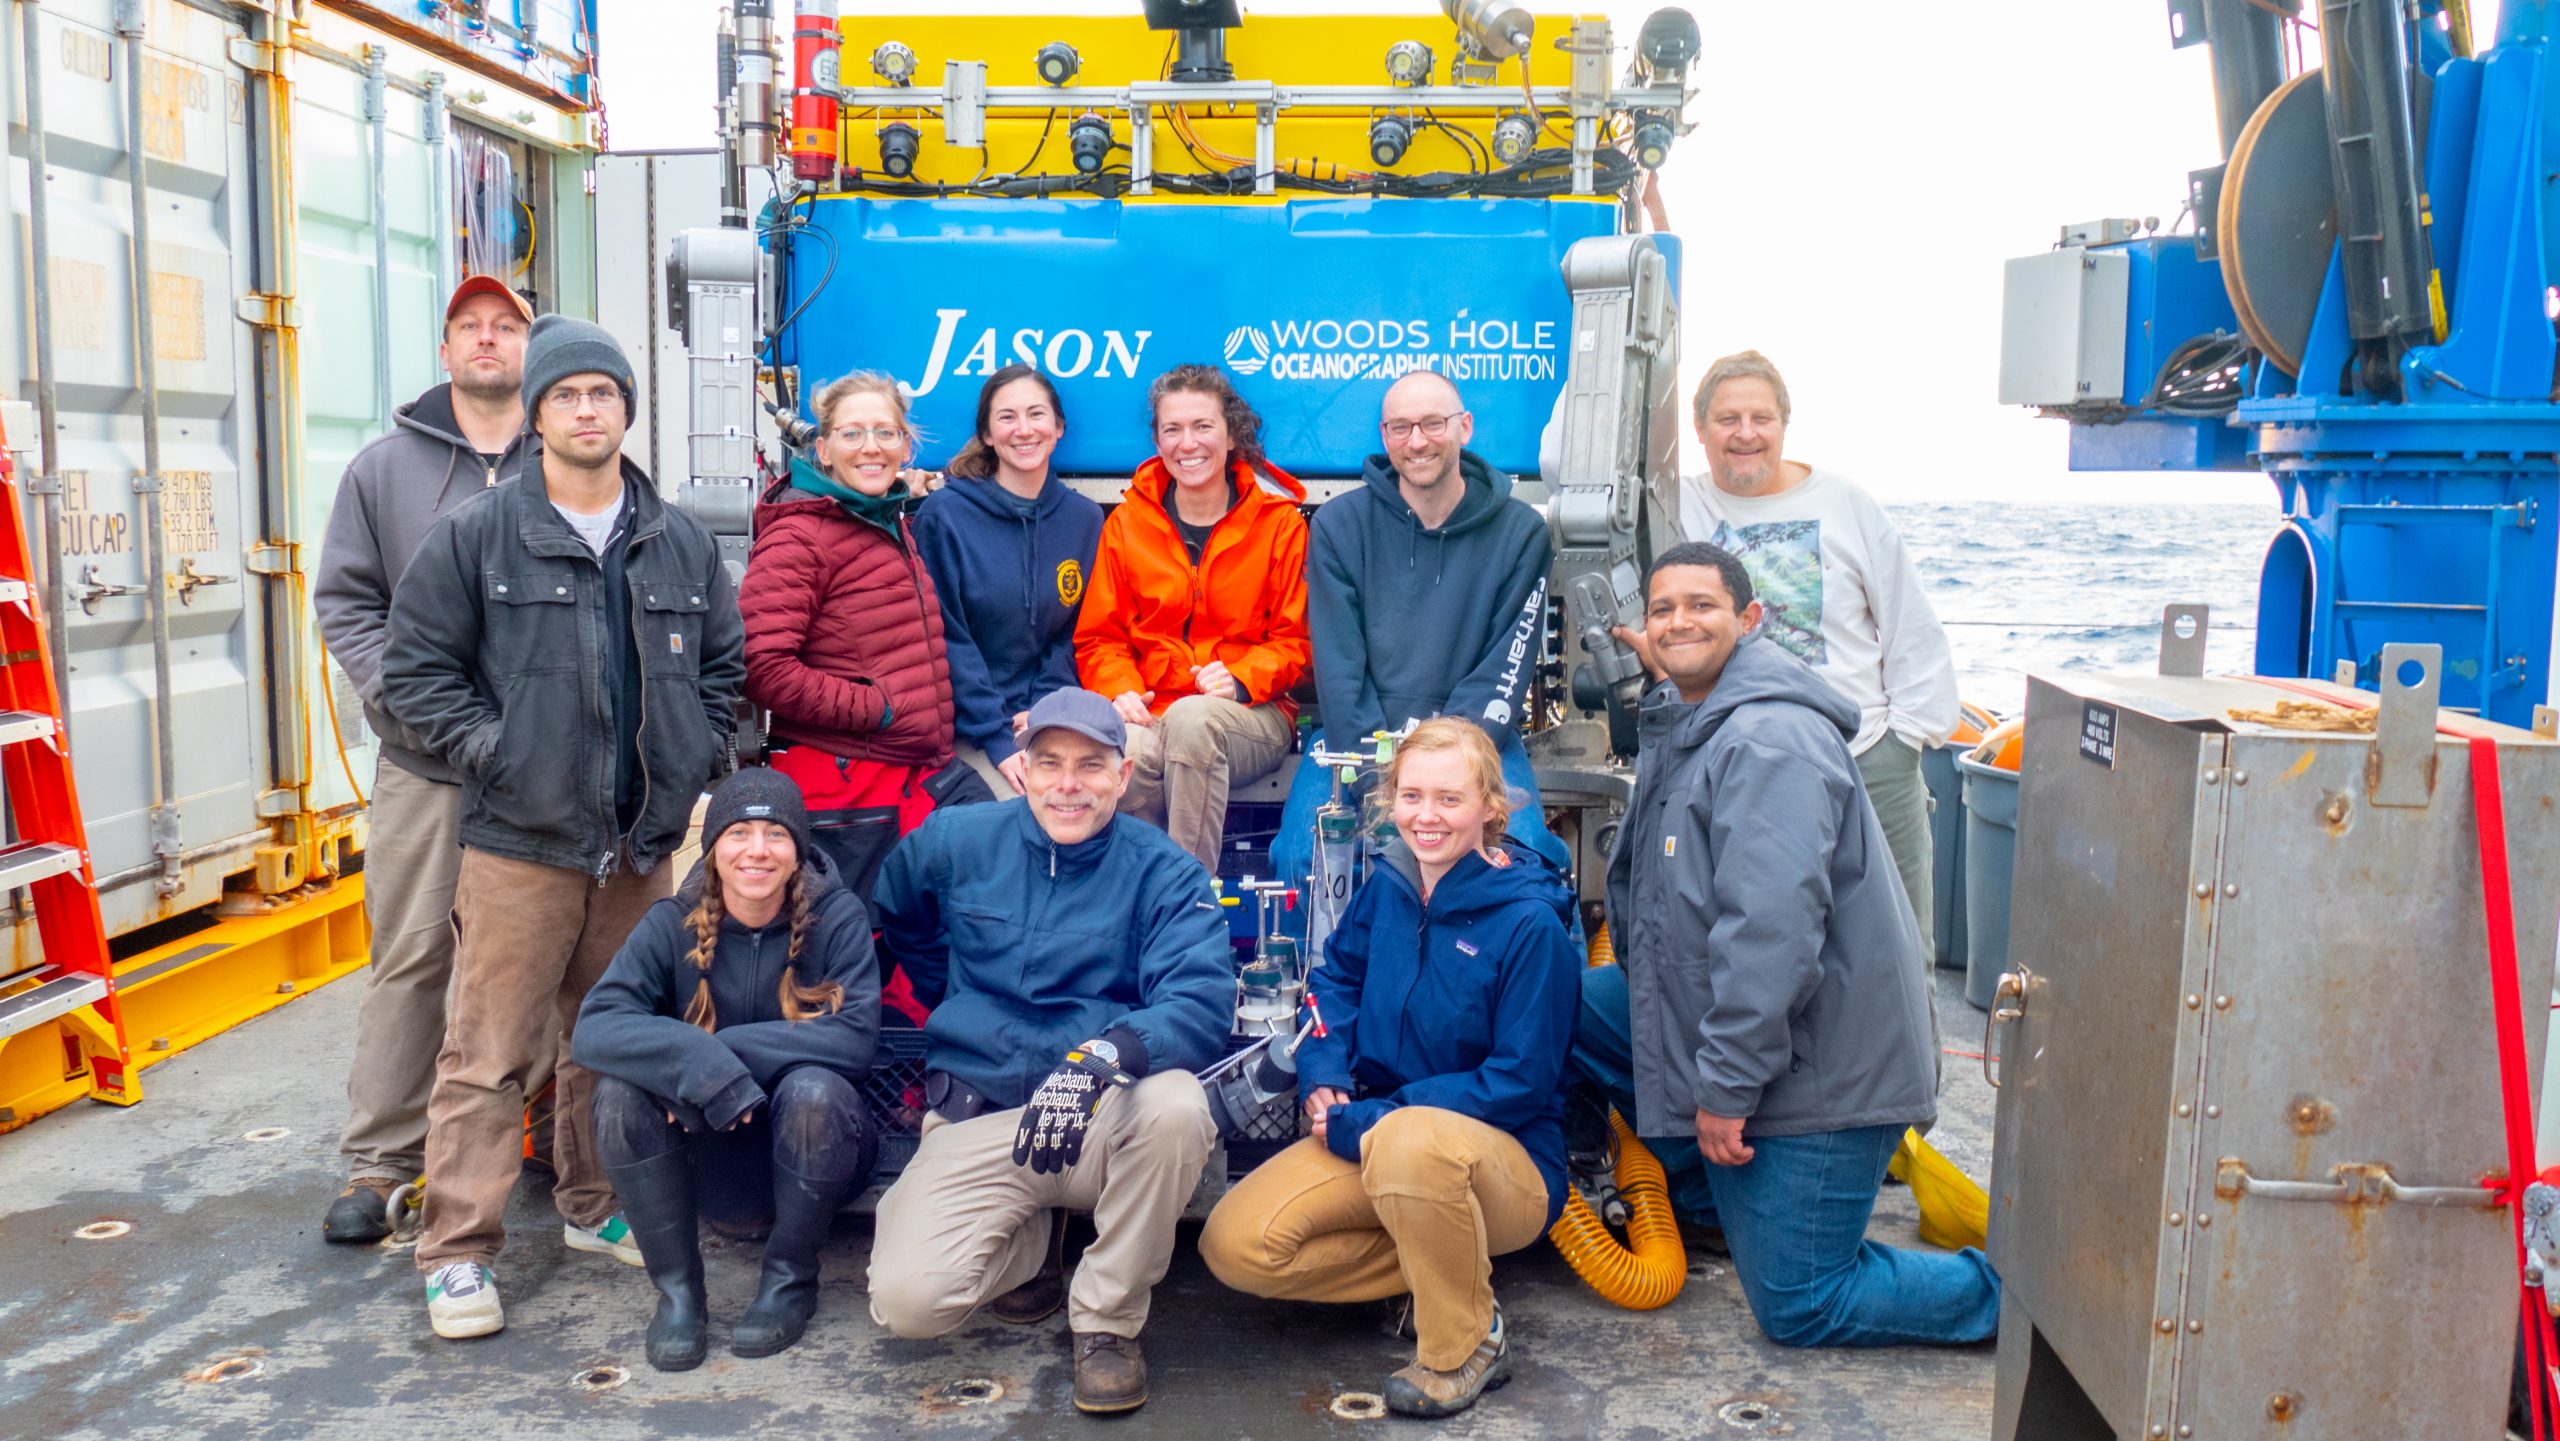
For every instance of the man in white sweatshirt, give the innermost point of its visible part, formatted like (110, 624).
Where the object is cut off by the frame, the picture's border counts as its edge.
(1838, 589)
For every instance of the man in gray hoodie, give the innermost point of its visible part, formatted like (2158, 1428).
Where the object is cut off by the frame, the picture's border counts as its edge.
(1768, 1003)
(446, 446)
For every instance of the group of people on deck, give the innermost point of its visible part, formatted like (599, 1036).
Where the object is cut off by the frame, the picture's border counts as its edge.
(1003, 730)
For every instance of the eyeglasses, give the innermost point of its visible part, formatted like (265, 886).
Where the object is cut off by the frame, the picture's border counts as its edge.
(887, 437)
(565, 400)
(1432, 427)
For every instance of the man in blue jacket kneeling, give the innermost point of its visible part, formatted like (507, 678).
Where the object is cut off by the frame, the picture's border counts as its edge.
(1078, 970)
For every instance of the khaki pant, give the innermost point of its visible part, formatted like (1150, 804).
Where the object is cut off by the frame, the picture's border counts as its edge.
(533, 939)
(978, 760)
(1199, 748)
(1435, 1198)
(1891, 769)
(410, 863)
(964, 1224)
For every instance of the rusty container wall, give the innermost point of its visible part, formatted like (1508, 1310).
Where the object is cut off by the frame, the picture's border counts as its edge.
(2248, 991)
(274, 348)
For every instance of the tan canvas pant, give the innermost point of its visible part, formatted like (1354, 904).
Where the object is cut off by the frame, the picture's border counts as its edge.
(964, 1224)
(533, 939)
(1199, 748)
(411, 859)
(1435, 1198)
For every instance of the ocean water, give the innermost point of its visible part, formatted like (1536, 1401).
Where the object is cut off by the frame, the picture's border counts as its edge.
(2056, 589)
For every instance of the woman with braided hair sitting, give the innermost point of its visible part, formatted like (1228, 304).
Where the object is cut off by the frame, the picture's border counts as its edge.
(727, 1037)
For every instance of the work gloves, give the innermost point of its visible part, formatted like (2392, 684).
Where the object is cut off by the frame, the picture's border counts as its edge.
(1051, 1136)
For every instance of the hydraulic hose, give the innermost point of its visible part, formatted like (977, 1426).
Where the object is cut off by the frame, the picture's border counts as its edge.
(1649, 1274)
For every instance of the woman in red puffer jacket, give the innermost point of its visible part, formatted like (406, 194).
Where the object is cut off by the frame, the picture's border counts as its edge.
(844, 635)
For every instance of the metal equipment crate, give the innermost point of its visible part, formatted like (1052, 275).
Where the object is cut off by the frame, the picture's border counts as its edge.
(2246, 1057)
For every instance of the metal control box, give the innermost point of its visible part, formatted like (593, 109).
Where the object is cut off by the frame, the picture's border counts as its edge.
(2062, 318)
(2248, 1071)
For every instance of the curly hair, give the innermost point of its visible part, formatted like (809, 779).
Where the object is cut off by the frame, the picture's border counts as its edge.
(1244, 424)
(800, 1001)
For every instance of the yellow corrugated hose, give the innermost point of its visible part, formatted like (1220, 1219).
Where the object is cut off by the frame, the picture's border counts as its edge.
(1651, 1272)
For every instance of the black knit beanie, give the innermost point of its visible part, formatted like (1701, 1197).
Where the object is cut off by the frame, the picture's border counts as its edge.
(757, 794)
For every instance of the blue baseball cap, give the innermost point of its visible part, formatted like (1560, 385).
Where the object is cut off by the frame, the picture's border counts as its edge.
(1081, 711)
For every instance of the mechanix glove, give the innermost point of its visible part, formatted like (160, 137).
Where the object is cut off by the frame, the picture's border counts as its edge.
(1051, 1136)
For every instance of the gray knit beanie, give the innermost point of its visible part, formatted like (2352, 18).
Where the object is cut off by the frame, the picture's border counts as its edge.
(560, 346)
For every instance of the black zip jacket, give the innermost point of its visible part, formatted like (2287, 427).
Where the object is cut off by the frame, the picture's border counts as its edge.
(632, 1024)
(506, 657)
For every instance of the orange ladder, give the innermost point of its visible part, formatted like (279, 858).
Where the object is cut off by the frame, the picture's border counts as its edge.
(74, 986)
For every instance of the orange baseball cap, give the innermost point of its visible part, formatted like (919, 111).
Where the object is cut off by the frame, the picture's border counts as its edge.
(487, 285)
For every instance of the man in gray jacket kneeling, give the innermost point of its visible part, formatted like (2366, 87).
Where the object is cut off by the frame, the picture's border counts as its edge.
(1768, 1002)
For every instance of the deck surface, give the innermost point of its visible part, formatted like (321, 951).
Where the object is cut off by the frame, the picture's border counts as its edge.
(116, 1338)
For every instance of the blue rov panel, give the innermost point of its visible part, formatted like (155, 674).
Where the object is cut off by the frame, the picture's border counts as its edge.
(1313, 308)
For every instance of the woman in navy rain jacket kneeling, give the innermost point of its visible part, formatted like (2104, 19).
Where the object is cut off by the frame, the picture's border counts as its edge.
(1448, 992)
(728, 1036)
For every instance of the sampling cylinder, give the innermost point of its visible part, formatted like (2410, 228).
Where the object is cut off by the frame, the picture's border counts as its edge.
(816, 53)
(1337, 875)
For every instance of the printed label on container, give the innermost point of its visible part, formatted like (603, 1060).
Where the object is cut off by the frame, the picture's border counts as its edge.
(2098, 733)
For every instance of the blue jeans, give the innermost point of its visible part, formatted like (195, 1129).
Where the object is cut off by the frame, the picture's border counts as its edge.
(1796, 1216)
(815, 1125)
(1293, 850)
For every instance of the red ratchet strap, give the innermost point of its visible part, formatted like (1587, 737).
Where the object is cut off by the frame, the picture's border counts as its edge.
(2497, 903)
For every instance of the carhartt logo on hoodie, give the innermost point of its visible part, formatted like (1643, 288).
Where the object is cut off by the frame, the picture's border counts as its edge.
(1670, 845)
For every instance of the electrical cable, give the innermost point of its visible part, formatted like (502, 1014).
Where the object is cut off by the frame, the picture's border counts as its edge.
(2202, 377)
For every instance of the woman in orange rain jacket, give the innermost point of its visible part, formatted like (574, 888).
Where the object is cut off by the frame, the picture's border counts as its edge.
(1195, 623)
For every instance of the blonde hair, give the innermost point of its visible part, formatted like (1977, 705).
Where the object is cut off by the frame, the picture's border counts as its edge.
(800, 1002)
(1742, 365)
(1484, 769)
(866, 382)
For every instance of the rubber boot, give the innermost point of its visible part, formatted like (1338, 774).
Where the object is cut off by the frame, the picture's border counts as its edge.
(802, 1210)
(657, 1201)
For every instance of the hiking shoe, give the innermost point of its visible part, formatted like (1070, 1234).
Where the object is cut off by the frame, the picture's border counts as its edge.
(1417, 1390)
(1040, 1297)
(1111, 1373)
(462, 1300)
(362, 1212)
(609, 1237)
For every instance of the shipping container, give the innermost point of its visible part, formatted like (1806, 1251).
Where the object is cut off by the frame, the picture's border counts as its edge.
(312, 187)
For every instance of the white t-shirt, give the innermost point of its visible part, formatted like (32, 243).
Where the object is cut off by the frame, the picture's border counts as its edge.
(594, 529)
(1840, 592)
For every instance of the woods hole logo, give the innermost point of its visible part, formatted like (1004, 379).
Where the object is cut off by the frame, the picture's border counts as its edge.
(1070, 582)
(1247, 351)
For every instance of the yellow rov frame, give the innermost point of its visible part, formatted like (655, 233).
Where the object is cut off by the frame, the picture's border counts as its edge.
(1213, 136)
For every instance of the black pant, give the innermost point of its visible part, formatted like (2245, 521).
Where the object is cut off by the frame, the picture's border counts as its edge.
(816, 1125)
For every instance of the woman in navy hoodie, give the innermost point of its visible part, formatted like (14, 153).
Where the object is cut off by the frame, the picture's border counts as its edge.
(1448, 994)
(1009, 548)
(727, 1039)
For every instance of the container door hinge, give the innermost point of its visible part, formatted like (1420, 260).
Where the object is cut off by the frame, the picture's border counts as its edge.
(278, 803)
(269, 312)
(258, 57)
(277, 558)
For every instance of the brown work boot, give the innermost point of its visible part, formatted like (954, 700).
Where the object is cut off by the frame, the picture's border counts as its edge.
(362, 1212)
(1111, 1373)
(1417, 1390)
(1040, 1297)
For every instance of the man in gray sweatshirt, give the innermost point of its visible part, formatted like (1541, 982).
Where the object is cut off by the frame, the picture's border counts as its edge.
(443, 448)
(1767, 1015)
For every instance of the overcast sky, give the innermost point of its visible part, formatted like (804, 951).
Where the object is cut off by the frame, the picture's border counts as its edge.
(1859, 171)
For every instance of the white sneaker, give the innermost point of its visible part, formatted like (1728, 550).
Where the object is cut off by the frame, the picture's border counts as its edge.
(462, 1300)
(609, 1237)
